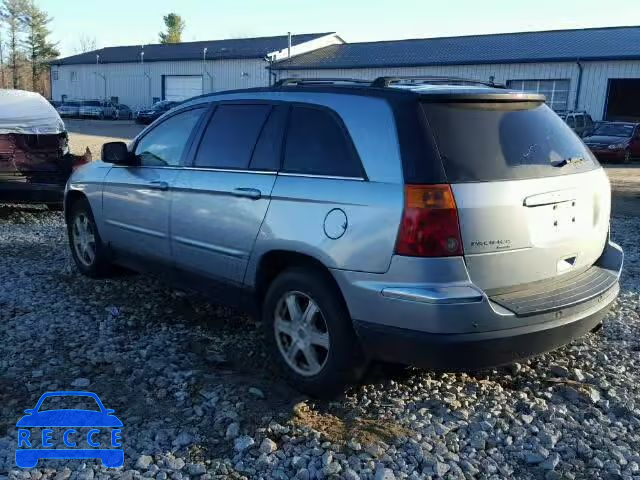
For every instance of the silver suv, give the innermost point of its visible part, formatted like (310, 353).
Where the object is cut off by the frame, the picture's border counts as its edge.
(448, 225)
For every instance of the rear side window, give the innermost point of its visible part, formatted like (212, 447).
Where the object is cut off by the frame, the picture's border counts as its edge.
(504, 141)
(318, 145)
(230, 137)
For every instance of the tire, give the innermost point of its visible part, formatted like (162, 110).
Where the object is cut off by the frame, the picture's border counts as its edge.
(339, 364)
(96, 265)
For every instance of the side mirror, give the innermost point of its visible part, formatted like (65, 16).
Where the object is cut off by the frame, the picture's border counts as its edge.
(29, 411)
(109, 411)
(116, 153)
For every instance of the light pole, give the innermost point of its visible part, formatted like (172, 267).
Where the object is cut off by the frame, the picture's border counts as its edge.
(204, 66)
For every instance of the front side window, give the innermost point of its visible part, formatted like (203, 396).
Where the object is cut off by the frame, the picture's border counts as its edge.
(164, 145)
(230, 137)
(317, 145)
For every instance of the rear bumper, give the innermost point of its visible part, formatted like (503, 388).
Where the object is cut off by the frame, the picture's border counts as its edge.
(24, 192)
(419, 324)
(471, 351)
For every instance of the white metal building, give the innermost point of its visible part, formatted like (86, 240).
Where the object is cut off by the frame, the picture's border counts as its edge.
(139, 75)
(597, 70)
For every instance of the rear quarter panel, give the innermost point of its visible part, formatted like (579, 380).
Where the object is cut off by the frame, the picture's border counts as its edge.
(296, 217)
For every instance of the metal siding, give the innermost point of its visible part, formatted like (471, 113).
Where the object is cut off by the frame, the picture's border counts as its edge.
(136, 84)
(128, 82)
(594, 78)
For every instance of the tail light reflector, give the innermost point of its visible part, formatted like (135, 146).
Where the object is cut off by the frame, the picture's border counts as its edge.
(429, 226)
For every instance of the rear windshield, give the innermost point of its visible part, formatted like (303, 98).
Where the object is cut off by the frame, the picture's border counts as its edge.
(481, 142)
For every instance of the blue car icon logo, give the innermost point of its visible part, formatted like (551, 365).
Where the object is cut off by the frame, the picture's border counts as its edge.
(85, 433)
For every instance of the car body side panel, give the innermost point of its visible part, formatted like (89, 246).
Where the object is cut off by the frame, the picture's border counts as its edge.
(297, 219)
(89, 180)
(213, 226)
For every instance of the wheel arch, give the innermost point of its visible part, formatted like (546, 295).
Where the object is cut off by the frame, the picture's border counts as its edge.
(70, 198)
(274, 262)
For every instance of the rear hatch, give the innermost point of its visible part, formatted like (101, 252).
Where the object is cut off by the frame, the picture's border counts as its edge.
(533, 202)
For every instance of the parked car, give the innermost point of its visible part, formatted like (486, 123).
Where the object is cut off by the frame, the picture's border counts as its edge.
(146, 116)
(407, 222)
(122, 112)
(580, 122)
(69, 108)
(34, 156)
(615, 141)
(97, 109)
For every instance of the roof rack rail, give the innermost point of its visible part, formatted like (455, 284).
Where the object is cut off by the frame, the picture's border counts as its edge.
(285, 82)
(437, 80)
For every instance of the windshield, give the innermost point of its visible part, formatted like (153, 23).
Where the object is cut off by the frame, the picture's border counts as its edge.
(614, 130)
(91, 104)
(504, 141)
(69, 402)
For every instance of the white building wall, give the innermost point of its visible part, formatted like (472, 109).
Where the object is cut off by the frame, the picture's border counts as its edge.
(136, 84)
(593, 91)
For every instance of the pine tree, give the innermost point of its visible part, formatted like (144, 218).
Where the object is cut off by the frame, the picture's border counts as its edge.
(175, 25)
(39, 48)
(12, 15)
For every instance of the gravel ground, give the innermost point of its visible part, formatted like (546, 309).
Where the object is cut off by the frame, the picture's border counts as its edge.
(198, 399)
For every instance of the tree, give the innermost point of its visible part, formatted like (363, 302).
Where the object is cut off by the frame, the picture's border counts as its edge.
(12, 14)
(39, 49)
(175, 26)
(86, 44)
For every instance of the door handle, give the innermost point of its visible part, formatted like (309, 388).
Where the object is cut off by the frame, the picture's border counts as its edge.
(159, 185)
(252, 193)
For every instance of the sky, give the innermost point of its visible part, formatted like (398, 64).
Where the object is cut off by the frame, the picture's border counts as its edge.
(134, 22)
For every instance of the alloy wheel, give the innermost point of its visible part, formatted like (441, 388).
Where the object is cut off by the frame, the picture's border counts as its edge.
(84, 239)
(301, 333)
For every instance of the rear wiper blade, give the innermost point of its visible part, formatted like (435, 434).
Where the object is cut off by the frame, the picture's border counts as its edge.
(568, 161)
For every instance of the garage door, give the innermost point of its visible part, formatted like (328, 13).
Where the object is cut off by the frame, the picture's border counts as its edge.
(181, 87)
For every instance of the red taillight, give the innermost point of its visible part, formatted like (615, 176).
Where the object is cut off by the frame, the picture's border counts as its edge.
(429, 226)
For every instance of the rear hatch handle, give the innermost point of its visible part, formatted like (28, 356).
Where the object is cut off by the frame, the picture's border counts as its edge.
(549, 198)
